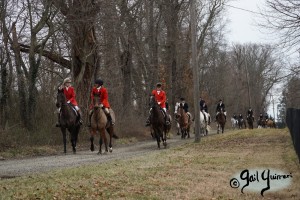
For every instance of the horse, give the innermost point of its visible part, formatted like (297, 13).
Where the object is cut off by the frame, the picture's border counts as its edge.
(184, 121)
(68, 119)
(204, 122)
(234, 123)
(250, 120)
(168, 127)
(261, 123)
(99, 123)
(221, 120)
(242, 123)
(157, 121)
(270, 123)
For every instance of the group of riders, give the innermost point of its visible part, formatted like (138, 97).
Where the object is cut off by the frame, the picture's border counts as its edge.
(160, 96)
(250, 115)
(97, 90)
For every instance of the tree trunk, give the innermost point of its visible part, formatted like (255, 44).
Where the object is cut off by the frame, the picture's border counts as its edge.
(21, 78)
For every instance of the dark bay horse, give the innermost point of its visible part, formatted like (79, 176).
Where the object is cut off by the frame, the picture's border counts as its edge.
(250, 120)
(68, 120)
(241, 123)
(184, 121)
(157, 120)
(221, 120)
(99, 123)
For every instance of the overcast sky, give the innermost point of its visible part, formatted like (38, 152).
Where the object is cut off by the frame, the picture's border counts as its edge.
(241, 27)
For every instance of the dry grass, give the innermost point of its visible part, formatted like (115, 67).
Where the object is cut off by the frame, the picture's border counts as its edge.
(193, 171)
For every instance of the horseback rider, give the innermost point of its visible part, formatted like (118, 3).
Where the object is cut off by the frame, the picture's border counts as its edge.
(185, 105)
(203, 108)
(261, 116)
(70, 95)
(160, 97)
(241, 117)
(234, 116)
(101, 91)
(266, 116)
(250, 113)
(220, 106)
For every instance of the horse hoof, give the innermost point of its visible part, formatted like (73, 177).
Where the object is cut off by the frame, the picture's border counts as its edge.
(99, 152)
(110, 149)
(92, 148)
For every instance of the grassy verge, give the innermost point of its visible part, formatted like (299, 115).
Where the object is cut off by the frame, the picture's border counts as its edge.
(193, 171)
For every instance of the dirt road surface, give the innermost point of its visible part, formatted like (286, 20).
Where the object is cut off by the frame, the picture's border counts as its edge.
(21, 167)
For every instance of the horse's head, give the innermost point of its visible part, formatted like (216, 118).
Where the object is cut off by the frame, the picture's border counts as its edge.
(152, 101)
(60, 97)
(96, 102)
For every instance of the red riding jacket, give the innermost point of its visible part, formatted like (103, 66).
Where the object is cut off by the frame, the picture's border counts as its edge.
(161, 97)
(70, 95)
(102, 92)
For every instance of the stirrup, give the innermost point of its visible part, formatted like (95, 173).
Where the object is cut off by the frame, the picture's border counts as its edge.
(168, 123)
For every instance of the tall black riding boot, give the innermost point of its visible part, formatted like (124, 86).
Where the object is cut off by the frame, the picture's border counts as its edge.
(168, 122)
(205, 120)
(110, 119)
(79, 117)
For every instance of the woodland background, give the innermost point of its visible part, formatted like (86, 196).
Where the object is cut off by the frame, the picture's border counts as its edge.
(132, 45)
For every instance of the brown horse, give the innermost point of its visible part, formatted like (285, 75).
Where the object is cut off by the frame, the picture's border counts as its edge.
(68, 119)
(157, 121)
(184, 121)
(99, 123)
(221, 120)
(270, 123)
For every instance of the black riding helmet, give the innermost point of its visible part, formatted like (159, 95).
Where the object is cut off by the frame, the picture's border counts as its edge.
(99, 82)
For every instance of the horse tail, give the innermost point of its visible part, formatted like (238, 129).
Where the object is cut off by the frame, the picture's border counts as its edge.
(115, 136)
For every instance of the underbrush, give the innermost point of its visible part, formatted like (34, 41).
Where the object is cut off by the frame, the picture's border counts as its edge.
(18, 142)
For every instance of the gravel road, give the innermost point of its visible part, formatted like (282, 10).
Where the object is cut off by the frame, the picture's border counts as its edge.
(21, 167)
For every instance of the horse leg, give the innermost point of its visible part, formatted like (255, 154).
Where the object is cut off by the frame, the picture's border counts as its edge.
(63, 130)
(164, 138)
(157, 135)
(182, 133)
(92, 140)
(100, 145)
(223, 128)
(73, 139)
(76, 135)
(103, 138)
(110, 131)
